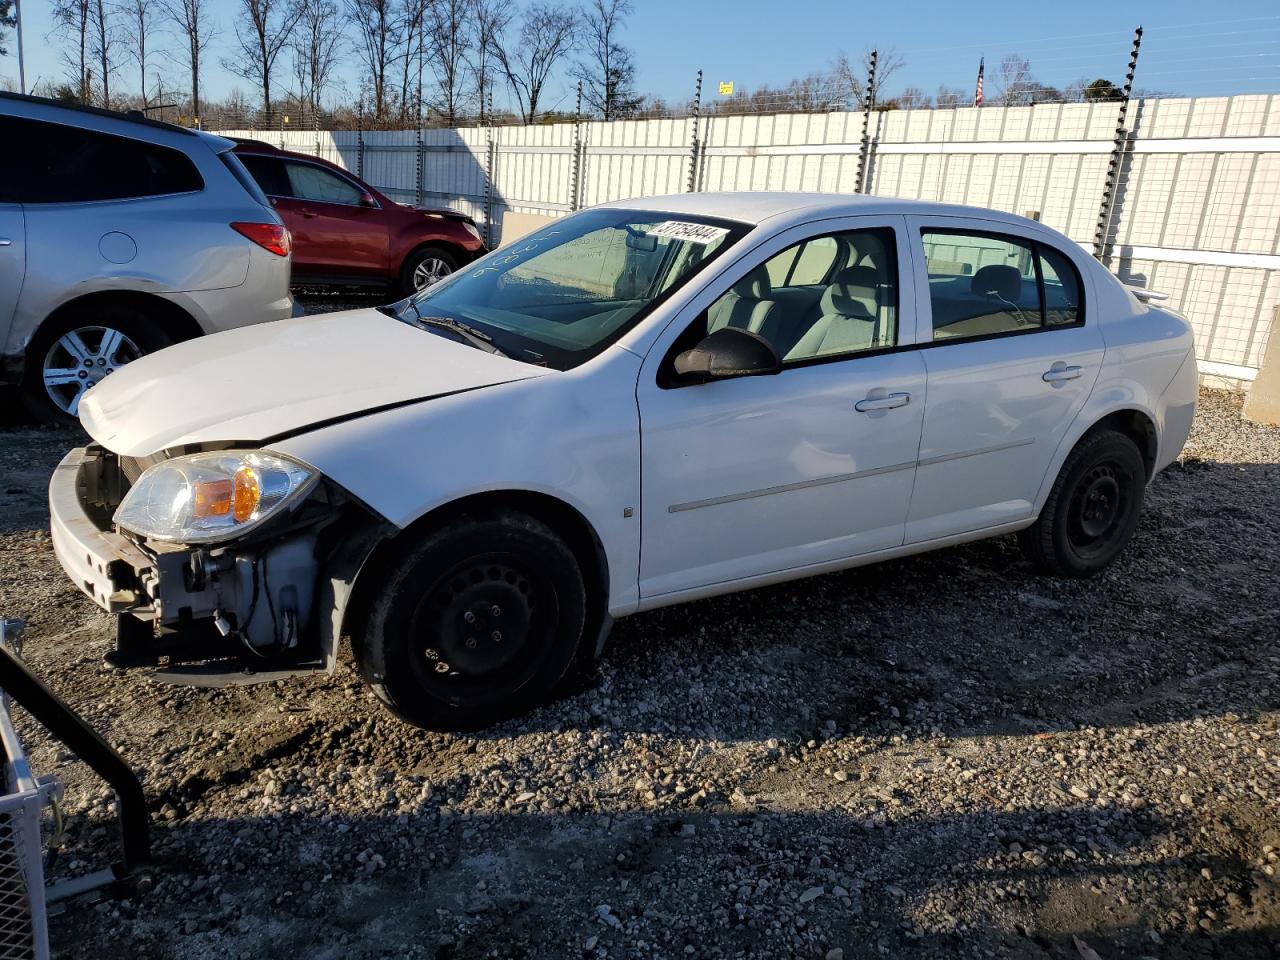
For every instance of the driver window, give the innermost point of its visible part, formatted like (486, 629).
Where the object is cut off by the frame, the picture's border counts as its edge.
(981, 285)
(825, 297)
(312, 183)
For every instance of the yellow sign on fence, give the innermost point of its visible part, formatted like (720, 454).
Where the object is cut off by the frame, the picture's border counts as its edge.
(726, 89)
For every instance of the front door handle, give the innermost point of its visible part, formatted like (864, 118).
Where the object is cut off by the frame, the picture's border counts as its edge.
(1059, 372)
(5, 241)
(882, 403)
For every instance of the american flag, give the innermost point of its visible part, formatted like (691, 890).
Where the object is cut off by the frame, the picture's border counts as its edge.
(977, 93)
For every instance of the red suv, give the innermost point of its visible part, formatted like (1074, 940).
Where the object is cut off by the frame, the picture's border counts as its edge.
(346, 232)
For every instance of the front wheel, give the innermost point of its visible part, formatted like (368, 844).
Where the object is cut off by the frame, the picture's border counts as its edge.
(425, 267)
(1092, 509)
(67, 358)
(480, 621)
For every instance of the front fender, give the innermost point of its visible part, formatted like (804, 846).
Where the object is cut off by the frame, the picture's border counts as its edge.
(573, 436)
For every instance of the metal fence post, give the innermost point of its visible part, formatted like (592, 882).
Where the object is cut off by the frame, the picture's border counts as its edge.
(868, 103)
(702, 156)
(693, 146)
(418, 164)
(360, 145)
(315, 126)
(490, 170)
(575, 174)
(1102, 235)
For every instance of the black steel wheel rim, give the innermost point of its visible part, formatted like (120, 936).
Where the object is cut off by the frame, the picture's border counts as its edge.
(1098, 508)
(482, 628)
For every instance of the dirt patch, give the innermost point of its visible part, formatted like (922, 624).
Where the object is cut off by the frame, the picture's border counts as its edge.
(942, 756)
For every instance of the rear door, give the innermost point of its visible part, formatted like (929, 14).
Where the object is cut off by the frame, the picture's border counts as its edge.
(334, 235)
(1011, 355)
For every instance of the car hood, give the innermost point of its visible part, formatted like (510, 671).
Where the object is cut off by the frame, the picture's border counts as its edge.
(261, 382)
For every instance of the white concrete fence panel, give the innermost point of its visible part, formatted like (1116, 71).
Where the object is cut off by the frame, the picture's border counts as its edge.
(1195, 214)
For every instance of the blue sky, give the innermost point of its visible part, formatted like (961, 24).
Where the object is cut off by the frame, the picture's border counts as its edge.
(758, 42)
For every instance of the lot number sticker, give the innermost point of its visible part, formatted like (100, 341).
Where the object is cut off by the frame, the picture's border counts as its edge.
(684, 230)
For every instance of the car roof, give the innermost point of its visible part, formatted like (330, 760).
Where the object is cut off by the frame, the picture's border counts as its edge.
(133, 118)
(755, 207)
(247, 145)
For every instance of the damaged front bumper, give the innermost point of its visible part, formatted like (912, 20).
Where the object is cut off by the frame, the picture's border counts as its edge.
(257, 600)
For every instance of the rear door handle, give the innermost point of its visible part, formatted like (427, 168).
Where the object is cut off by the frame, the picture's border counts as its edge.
(882, 403)
(1059, 372)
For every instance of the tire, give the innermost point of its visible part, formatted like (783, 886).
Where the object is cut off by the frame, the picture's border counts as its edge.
(90, 341)
(433, 260)
(523, 593)
(1092, 510)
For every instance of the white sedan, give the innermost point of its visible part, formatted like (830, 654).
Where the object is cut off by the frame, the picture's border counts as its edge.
(644, 403)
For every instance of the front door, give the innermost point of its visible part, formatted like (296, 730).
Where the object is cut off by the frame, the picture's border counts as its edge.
(766, 475)
(1013, 358)
(13, 262)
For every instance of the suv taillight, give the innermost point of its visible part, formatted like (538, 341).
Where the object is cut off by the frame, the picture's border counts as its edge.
(269, 236)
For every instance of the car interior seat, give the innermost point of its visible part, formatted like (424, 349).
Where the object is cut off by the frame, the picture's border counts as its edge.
(746, 306)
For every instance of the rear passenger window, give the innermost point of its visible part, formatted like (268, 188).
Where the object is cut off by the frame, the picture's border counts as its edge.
(984, 285)
(827, 297)
(269, 172)
(66, 164)
(980, 285)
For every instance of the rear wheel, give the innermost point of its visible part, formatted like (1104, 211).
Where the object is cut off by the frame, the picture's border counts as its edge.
(425, 267)
(480, 621)
(1092, 510)
(84, 346)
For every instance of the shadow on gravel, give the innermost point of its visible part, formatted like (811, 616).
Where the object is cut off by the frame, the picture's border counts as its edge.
(972, 640)
(767, 884)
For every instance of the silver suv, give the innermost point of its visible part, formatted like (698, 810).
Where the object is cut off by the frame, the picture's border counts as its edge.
(118, 236)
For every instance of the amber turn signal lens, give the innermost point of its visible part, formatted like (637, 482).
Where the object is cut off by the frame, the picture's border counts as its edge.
(248, 491)
(212, 498)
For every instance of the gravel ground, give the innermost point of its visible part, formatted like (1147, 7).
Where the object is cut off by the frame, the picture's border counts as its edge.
(945, 756)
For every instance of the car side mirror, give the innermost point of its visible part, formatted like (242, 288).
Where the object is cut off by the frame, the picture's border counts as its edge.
(727, 352)
(366, 200)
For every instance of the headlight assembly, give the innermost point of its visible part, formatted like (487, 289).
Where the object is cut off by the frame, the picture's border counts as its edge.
(212, 497)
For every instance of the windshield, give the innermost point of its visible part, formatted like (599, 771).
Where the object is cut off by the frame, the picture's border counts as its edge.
(562, 294)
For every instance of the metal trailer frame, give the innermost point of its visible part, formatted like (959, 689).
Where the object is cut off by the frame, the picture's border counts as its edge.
(25, 899)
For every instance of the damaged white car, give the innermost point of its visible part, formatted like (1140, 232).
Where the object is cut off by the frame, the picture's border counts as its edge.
(643, 403)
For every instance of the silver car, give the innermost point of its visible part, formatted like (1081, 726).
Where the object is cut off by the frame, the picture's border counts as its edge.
(118, 236)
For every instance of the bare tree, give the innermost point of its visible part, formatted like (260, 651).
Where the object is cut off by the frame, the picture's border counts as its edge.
(316, 45)
(449, 43)
(607, 71)
(375, 22)
(948, 97)
(140, 17)
(412, 52)
(262, 29)
(194, 24)
(913, 98)
(546, 37)
(489, 22)
(7, 22)
(852, 75)
(102, 43)
(1014, 82)
(73, 19)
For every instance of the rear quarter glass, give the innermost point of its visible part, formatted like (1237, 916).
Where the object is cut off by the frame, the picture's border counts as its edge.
(241, 174)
